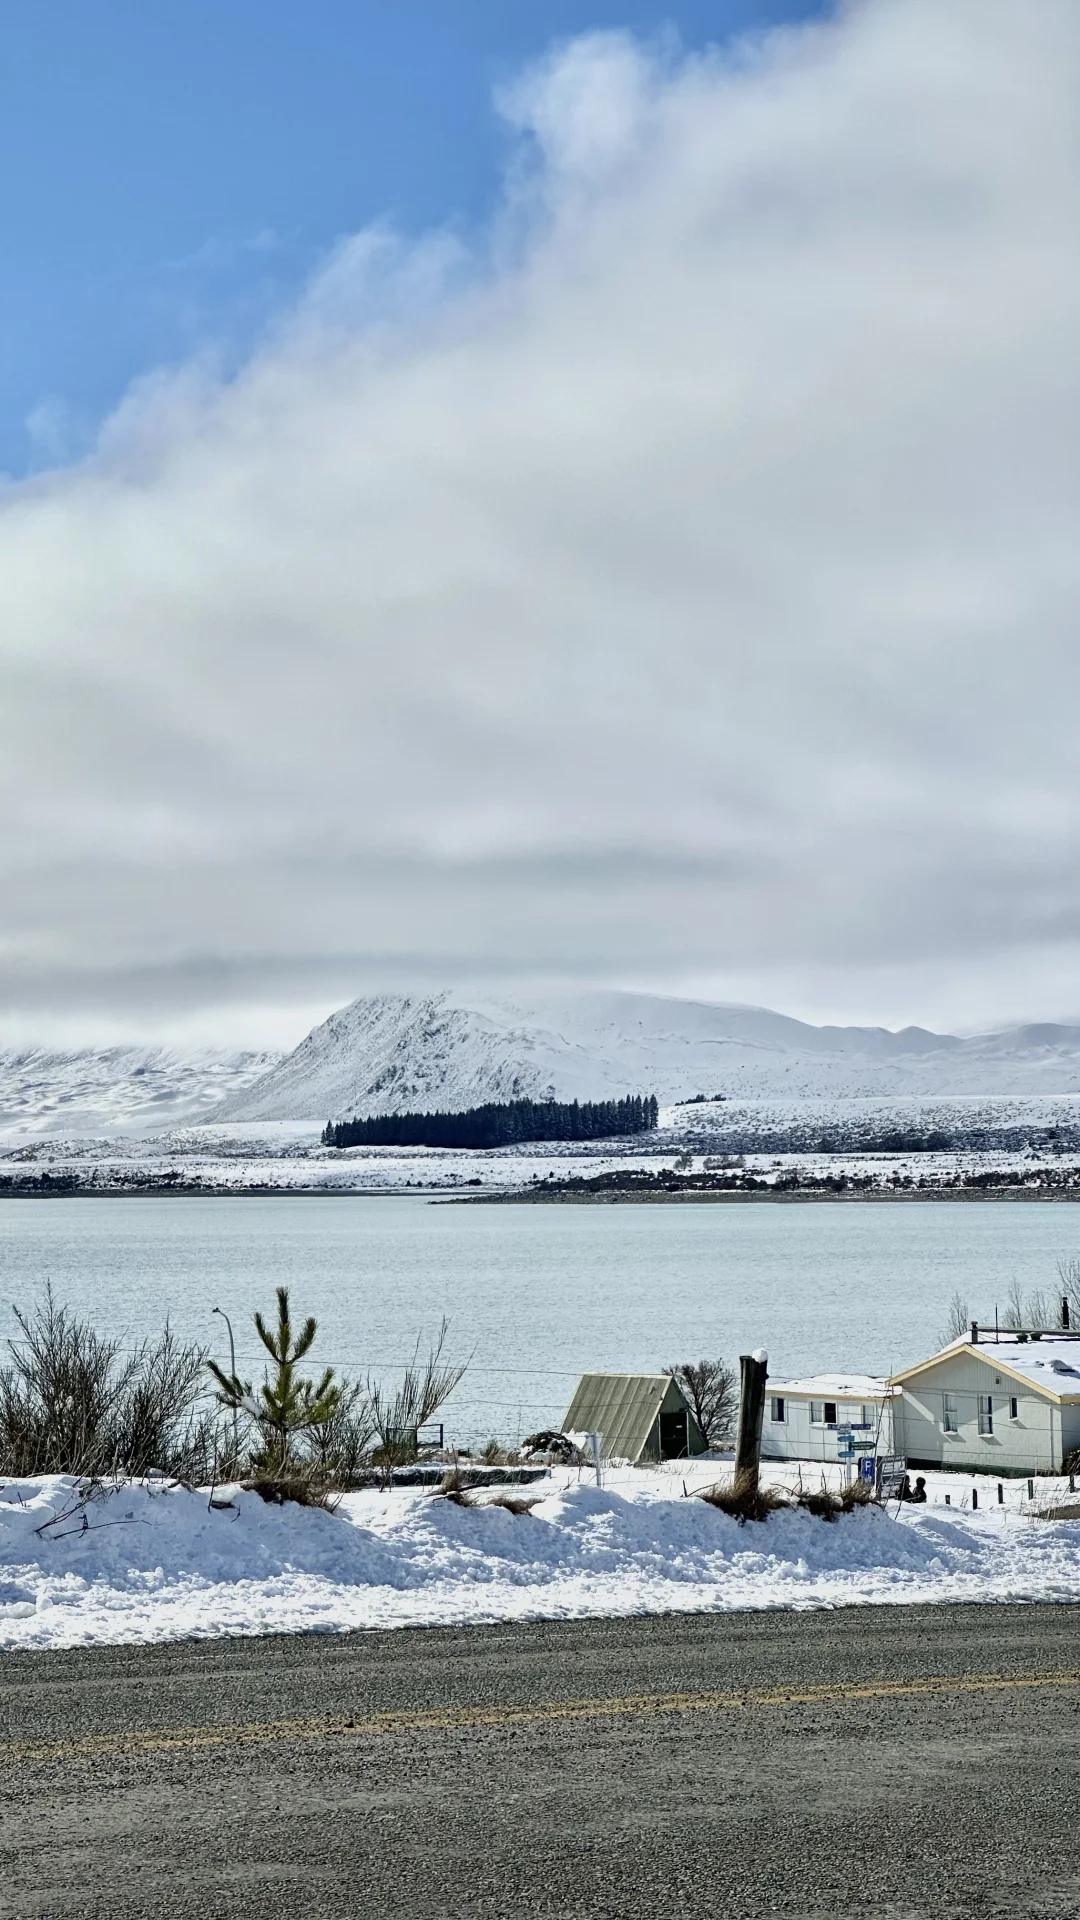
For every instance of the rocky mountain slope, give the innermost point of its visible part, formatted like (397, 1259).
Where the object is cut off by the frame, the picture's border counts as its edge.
(389, 1053)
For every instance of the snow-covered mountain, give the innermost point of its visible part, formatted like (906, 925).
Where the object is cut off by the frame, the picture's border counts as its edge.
(390, 1053)
(119, 1089)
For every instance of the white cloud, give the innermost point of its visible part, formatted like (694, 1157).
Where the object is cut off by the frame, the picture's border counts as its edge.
(690, 589)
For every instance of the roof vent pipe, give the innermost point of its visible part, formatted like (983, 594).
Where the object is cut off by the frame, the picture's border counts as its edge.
(1065, 1312)
(974, 1333)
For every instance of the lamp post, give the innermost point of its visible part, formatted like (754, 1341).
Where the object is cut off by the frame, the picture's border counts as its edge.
(232, 1376)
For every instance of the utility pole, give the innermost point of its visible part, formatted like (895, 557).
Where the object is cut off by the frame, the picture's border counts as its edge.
(754, 1369)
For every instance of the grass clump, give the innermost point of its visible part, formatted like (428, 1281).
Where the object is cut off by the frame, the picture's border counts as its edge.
(519, 1503)
(741, 1498)
(305, 1485)
(453, 1488)
(827, 1503)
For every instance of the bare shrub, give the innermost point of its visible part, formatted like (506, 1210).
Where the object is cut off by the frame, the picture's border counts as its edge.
(709, 1386)
(70, 1402)
(340, 1443)
(398, 1416)
(741, 1499)
(958, 1321)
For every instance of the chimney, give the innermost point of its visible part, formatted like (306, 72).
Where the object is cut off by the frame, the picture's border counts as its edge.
(974, 1333)
(1065, 1312)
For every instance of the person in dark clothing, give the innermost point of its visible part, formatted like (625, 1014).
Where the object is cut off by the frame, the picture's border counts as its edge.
(916, 1493)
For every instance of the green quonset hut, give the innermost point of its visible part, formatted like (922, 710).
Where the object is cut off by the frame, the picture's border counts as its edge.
(640, 1416)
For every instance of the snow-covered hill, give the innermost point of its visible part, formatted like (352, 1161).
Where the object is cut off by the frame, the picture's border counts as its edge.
(119, 1089)
(390, 1053)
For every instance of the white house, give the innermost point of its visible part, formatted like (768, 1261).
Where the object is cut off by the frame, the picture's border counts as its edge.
(811, 1419)
(1002, 1404)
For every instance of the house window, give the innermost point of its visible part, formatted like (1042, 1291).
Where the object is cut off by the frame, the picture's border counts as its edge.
(779, 1410)
(823, 1413)
(830, 1413)
(1014, 1409)
(949, 1420)
(986, 1413)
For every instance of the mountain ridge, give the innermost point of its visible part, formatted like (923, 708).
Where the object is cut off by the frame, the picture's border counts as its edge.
(391, 1053)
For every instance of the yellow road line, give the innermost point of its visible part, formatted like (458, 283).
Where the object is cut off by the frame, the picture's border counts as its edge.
(454, 1719)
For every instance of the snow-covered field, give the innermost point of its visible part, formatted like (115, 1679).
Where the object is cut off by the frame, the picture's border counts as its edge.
(1016, 1144)
(814, 1140)
(148, 1562)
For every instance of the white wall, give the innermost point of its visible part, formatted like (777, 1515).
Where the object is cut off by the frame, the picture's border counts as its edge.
(1033, 1442)
(797, 1438)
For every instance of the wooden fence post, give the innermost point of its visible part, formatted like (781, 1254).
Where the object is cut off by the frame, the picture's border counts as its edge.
(754, 1371)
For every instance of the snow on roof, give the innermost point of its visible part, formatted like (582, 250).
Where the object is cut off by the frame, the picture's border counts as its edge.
(835, 1386)
(1050, 1363)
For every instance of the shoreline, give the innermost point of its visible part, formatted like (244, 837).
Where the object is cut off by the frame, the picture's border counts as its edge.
(444, 1196)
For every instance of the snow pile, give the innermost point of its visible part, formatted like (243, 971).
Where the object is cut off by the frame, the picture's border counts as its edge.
(149, 1563)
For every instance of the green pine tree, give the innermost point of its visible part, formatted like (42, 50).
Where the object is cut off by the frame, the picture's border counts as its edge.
(285, 1404)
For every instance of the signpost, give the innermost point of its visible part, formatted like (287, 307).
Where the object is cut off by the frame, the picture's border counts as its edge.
(891, 1474)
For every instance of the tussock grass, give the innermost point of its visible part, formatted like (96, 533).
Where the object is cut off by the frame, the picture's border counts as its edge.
(303, 1486)
(514, 1502)
(740, 1499)
(743, 1501)
(452, 1487)
(827, 1503)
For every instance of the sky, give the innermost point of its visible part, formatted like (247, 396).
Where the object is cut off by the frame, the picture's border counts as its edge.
(537, 492)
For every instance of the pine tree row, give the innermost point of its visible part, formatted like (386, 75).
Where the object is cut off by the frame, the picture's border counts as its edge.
(500, 1125)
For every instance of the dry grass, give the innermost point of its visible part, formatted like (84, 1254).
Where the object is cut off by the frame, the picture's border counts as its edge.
(452, 1487)
(859, 1494)
(746, 1502)
(1068, 1510)
(515, 1502)
(825, 1503)
(742, 1500)
(305, 1486)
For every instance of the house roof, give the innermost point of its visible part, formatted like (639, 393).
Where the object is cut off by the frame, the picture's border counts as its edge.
(1050, 1364)
(623, 1407)
(836, 1386)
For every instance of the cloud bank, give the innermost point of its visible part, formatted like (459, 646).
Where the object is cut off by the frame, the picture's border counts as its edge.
(685, 590)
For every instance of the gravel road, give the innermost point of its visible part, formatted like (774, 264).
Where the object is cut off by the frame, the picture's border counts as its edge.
(901, 1762)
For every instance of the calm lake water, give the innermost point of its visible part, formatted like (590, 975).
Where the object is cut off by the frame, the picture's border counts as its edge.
(537, 1294)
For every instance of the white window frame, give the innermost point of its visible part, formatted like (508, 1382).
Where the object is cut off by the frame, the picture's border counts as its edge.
(1014, 1407)
(986, 1415)
(819, 1409)
(950, 1414)
(778, 1411)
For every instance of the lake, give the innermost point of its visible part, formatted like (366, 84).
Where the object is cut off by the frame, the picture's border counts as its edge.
(537, 1294)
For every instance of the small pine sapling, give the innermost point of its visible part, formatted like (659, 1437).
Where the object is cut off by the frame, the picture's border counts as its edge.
(285, 1404)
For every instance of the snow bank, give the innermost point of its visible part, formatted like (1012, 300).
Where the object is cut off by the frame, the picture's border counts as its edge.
(151, 1563)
